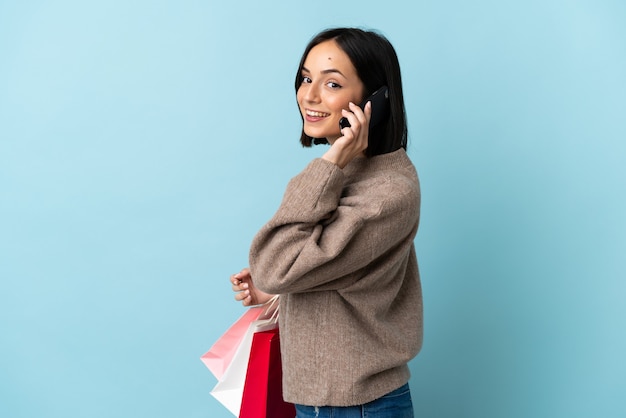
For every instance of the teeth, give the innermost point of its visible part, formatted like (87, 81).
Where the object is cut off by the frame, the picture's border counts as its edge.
(317, 114)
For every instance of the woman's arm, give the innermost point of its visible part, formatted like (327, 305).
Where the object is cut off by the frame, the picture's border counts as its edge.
(316, 242)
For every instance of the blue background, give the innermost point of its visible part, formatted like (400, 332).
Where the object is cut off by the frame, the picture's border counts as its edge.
(143, 143)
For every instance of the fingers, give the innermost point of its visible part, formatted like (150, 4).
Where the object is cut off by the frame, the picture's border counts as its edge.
(367, 111)
(358, 118)
(242, 293)
(242, 275)
(362, 115)
(350, 132)
(245, 297)
(355, 136)
(241, 287)
(352, 118)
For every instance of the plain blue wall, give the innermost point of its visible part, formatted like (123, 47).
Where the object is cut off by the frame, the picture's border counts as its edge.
(143, 143)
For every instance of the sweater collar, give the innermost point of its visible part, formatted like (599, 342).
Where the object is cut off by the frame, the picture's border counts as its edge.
(390, 161)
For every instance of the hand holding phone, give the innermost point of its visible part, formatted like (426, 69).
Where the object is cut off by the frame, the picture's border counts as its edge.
(380, 105)
(379, 111)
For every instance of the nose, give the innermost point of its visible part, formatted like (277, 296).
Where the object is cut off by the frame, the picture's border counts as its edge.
(312, 94)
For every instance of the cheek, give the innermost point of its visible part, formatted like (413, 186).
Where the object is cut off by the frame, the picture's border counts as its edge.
(336, 104)
(339, 102)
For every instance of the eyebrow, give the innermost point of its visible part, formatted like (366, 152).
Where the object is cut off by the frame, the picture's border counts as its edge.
(328, 71)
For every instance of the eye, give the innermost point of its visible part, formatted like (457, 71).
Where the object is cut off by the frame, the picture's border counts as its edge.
(333, 85)
(305, 79)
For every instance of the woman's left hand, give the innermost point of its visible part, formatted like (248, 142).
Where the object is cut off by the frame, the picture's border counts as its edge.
(354, 138)
(245, 291)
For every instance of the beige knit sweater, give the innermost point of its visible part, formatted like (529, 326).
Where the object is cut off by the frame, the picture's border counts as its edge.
(340, 252)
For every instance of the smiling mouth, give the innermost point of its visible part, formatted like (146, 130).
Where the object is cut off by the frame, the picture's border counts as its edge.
(315, 114)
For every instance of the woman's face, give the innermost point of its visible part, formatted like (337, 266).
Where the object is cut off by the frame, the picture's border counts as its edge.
(329, 82)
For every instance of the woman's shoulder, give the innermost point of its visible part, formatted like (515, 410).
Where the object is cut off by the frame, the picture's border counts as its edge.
(393, 170)
(384, 184)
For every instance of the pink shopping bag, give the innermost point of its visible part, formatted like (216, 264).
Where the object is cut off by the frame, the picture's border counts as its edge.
(221, 353)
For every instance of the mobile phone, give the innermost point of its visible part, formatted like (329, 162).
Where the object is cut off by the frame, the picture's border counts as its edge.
(380, 106)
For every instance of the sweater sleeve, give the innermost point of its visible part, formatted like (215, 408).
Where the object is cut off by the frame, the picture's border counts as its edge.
(321, 240)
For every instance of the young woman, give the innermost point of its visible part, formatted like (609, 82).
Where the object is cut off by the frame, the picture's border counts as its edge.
(339, 250)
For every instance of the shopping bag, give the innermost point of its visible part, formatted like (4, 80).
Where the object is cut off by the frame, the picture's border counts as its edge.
(221, 353)
(263, 389)
(229, 388)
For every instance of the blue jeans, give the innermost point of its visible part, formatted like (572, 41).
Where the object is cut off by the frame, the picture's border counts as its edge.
(395, 404)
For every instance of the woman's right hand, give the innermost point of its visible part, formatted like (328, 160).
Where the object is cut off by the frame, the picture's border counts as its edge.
(354, 138)
(246, 292)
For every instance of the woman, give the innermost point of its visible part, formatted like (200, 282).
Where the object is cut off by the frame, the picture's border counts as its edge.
(339, 250)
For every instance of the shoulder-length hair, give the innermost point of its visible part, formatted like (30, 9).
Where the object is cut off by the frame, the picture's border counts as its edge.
(376, 64)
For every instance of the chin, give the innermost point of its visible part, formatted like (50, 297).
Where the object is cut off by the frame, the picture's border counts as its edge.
(315, 133)
(321, 133)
